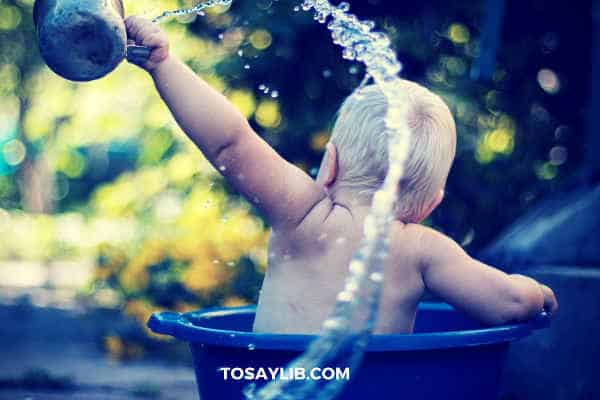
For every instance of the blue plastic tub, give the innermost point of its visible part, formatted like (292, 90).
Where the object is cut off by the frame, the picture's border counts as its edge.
(448, 357)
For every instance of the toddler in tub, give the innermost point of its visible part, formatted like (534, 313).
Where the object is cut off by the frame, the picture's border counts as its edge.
(317, 224)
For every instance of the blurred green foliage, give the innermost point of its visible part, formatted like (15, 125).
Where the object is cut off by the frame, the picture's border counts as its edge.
(101, 170)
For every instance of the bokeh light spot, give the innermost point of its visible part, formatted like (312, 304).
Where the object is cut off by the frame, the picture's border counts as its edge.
(546, 171)
(548, 81)
(501, 141)
(459, 33)
(260, 39)
(319, 140)
(14, 152)
(71, 163)
(244, 101)
(558, 155)
(10, 17)
(268, 114)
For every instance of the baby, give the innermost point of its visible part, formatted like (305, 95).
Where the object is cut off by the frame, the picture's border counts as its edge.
(318, 224)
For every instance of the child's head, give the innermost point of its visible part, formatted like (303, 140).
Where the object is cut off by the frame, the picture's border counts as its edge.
(360, 148)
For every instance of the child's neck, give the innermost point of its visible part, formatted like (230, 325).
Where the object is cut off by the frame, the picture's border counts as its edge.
(358, 204)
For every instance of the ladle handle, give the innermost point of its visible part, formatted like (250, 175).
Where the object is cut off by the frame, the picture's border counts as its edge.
(138, 54)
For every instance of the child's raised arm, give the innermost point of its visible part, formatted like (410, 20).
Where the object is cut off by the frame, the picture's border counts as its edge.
(283, 192)
(479, 290)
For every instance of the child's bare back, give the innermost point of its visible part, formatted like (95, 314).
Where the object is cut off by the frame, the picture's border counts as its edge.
(317, 224)
(307, 268)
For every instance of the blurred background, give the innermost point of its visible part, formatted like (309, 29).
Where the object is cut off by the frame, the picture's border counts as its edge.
(108, 213)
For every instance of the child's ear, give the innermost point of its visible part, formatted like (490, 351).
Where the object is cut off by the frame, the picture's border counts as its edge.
(329, 166)
(332, 165)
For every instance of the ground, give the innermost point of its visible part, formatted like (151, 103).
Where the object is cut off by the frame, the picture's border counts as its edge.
(52, 353)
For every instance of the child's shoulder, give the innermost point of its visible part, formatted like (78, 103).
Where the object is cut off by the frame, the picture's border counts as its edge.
(414, 240)
(321, 217)
(427, 246)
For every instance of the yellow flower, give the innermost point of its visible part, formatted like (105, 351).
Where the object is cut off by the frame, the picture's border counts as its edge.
(139, 309)
(114, 345)
(205, 276)
(234, 301)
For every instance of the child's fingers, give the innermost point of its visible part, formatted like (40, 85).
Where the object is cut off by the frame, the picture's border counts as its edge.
(147, 30)
(137, 28)
(132, 25)
(550, 302)
(155, 40)
(151, 46)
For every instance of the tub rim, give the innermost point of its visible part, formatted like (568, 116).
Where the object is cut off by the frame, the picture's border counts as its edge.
(186, 327)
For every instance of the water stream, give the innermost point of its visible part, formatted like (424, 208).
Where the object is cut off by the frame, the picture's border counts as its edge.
(197, 9)
(345, 333)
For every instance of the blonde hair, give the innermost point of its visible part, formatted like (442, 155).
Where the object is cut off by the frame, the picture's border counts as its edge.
(360, 137)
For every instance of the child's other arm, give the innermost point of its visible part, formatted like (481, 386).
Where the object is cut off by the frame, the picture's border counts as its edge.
(283, 192)
(479, 290)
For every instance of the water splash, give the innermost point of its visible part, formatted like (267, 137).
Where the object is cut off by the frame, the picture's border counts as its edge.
(345, 333)
(197, 9)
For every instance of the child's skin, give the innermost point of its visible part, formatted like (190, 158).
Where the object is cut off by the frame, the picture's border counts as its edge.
(317, 225)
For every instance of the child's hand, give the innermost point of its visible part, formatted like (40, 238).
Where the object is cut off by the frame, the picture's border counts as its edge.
(143, 32)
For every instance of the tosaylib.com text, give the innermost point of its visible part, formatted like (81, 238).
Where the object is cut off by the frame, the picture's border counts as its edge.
(279, 373)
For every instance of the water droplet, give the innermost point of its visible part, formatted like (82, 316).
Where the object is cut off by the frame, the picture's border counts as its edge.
(351, 286)
(369, 25)
(251, 346)
(240, 53)
(361, 43)
(344, 6)
(357, 268)
(296, 8)
(247, 66)
(264, 88)
(344, 297)
(221, 36)
(332, 324)
(222, 168)
(348, 54)
(275, 94)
